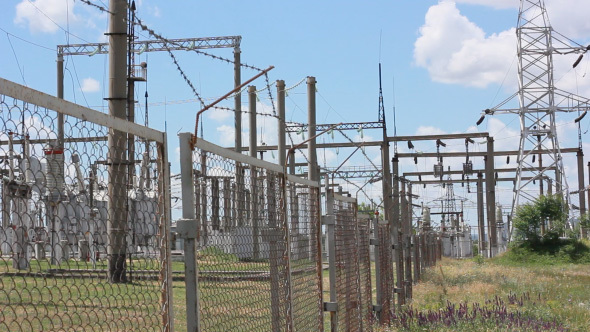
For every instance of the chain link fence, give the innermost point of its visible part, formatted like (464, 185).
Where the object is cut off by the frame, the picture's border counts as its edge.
(84, 218)
(84, 233)
(258, 259)
(384, 271)
(353, 293)
(365, 273)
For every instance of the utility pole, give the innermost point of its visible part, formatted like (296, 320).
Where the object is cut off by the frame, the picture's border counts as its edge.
(238, 100)
(117, 186)
(281, 121)
(311, 130)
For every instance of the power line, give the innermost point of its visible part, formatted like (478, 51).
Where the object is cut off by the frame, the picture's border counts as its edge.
(27, 41)
(52, 21)
(16, 58)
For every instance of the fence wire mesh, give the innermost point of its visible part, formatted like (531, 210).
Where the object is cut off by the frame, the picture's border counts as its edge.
(83, 230)
(385, 257)
(366, 291)
(352, 263)
(258, 259)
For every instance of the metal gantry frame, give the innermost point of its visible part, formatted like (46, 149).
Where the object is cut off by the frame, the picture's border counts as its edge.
(489, 175)
(160, 45)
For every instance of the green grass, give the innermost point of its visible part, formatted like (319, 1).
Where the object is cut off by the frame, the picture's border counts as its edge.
(547, 287)
(547, 252)
(551, 289)
(75, 295)
(30, 303)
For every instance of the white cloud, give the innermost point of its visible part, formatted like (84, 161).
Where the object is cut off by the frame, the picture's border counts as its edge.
(90, 85)
(498, 4)
(455, 50)
(429, 130)
(45, 15)
(156, 11)
(226, 135)
(570, 17)
(219, 115)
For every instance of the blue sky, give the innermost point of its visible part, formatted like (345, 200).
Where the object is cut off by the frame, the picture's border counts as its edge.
(449, 60)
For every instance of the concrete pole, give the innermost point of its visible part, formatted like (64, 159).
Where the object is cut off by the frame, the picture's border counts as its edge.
(491, 195)
(117, 217)
(281, 122)
(60, 94)
(480, 216)
(407, 239)
(581, 195)
(395, 228)
(402, 247)
(130, 137)
(311, 130)
(254, 186)
(238, 100)
(55, 222)
(292, 162)
(252, 117)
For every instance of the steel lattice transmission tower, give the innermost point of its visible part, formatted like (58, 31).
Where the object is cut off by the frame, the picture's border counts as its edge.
(539, 102)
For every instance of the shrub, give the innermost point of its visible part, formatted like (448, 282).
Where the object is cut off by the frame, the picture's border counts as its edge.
(530, 217)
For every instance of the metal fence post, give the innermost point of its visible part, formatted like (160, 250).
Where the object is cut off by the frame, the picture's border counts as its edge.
(329, 221)
(416, 241)
(168, 316)
(187, 228)
(378, 287)
(274, 254)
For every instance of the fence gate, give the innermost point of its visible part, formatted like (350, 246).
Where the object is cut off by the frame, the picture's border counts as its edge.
(256, 234)
(350, 267)
(84, 218)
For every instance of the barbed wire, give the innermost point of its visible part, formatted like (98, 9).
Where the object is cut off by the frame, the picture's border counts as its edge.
(213, 56)
(166, 42)
(223, 108)
(272, 102)
(102, 9)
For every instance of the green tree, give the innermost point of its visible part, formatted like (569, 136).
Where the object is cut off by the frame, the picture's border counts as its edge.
(368, 209)
(527, 222)
(585, 220)
(549, 210)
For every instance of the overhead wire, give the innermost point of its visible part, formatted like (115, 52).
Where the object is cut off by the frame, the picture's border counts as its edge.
(22, 75)
(56, 24)
(27, 41)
